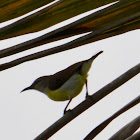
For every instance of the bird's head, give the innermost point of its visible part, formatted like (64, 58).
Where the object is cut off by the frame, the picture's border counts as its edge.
(39, 84)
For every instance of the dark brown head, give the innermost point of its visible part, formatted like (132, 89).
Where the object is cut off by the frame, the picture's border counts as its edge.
(40, 84)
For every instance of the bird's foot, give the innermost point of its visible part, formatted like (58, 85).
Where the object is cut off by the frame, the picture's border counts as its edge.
(88, 96)
(66, 111)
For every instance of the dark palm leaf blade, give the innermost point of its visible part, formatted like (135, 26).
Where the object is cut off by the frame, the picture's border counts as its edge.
(77, 27)
(60, 12)
(10, 9)
(76, 43)
(132, 25)
(127, 130)
(136, 136)
(100, 127)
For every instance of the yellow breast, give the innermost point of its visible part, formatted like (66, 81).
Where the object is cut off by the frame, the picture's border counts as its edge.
(69, 89)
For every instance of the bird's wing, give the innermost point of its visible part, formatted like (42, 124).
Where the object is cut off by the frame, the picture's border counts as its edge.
(59, 78)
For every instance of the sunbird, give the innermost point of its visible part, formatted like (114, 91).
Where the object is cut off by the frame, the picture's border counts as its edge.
(65, 84)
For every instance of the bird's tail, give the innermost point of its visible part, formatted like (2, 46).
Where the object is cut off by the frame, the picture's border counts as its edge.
(87, 64)
(94, 56)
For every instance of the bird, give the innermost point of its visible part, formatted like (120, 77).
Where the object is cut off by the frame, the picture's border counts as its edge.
(65, 84)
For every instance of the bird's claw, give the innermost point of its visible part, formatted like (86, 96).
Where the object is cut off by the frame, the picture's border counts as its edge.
(88, 96)
(66, 111)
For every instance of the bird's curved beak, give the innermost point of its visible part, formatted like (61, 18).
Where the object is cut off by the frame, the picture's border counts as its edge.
(26, 89)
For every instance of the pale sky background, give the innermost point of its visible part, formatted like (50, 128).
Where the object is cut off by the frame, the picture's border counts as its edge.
(24, 116)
